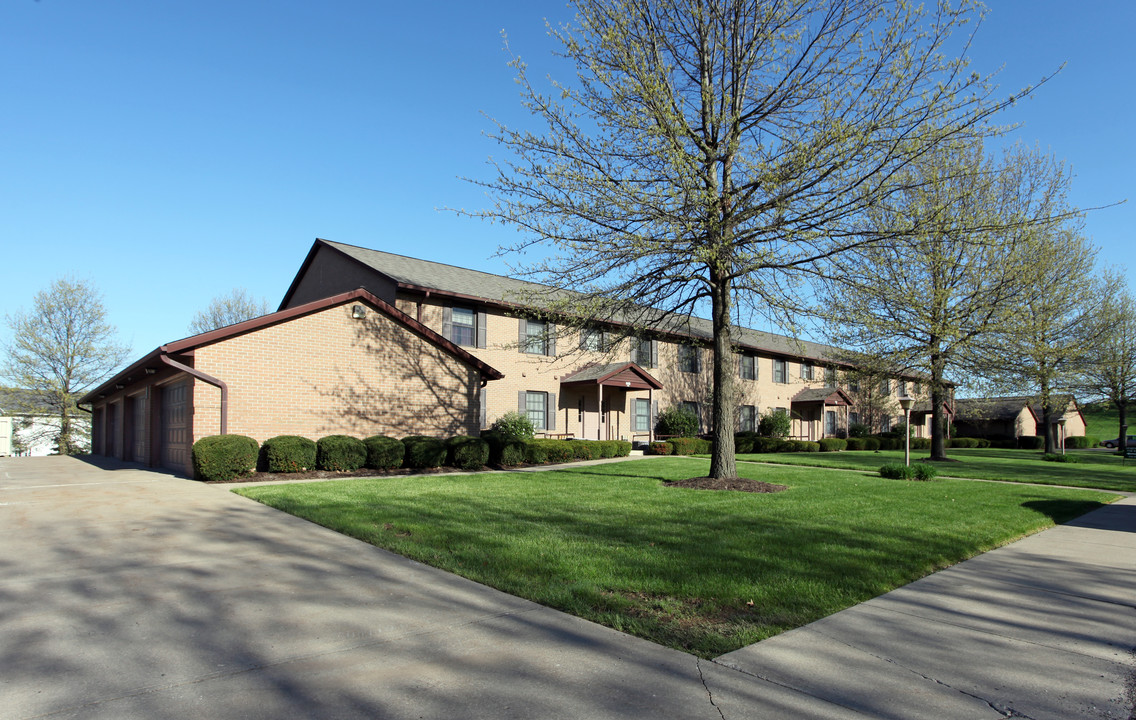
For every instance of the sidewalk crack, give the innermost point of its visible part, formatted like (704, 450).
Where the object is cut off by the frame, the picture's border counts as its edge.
(710, 695)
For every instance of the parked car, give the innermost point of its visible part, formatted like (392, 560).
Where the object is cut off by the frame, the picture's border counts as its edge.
(1116, 442)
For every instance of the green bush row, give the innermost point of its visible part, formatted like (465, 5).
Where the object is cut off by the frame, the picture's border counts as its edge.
(508, 452)
(1081, 441)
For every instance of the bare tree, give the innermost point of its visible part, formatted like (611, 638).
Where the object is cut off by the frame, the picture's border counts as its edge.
(60, 348)
(239, 305)
(710, 152)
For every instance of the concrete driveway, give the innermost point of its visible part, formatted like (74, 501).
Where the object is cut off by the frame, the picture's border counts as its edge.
(133, 594)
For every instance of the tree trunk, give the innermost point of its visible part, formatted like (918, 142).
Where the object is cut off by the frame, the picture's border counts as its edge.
(63, 443)
(723, 463)
(938, 398)
(1122, 407)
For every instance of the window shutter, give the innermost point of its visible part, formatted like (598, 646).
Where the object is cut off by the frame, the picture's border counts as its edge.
(448, 323)
(654, 354)
(741, 365)
(481, 328)
(635, 351)
(522, 334)
(550, 412)
(483, 414)
(550, 328)
(522, 406)
(654, 413)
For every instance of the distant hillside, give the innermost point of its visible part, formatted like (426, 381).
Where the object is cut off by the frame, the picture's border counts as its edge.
(1102, 420)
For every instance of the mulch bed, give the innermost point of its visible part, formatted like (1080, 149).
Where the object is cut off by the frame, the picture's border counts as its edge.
(738, 484)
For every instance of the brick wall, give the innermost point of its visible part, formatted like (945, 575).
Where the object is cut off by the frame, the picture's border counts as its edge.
(328, 373)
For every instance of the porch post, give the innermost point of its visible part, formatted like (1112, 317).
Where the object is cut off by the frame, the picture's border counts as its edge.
(650, 420)
(599, 411)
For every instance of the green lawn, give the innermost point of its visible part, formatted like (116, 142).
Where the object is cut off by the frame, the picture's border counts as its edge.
(1096, 469)
(613, 544)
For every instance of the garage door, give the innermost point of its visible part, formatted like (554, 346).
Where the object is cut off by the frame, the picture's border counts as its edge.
(175, 427)
(139, 418)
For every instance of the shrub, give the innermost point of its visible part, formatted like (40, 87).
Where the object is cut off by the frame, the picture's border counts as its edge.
(585, 449)
(467, 453)
(534, 453)
(677, 421)
(743, 443)
(832, 444)
(897, 471)
(920, 443)
(888, 442)
(384, 453)
(804, 446)
(661, 447)
(924, 471)
(423, 452)
(856, 443)
(509, 453)
(689, 446)
(775, 424)
(1031, 442)
(224, 457)
(1081, 441)
(288, 454)
(622, 448)
(608, 448)
(514, 425)
(872, 443)
(1054, 457)
(859, 430)
(555, 451)
(340, 452)
(771, 445)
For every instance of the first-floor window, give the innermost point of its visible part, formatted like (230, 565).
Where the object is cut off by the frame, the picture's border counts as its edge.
(642, 415)
(747, 418)
(853, 418)
(536, 406)
(830, 422)
(885, 423)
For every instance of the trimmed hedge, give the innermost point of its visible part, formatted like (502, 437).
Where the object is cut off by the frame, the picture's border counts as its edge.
(467, 453)
(918, 471)
(804, 446)
(1031, 442)
(423, 452)
(832, 444)
(384, 453)
(661, 447)
(585, 449)
(622, 448)
(920, 443)
(288, 454)
(340, 453)
(224, 457)
(689, 446)
(1081, 441)
(556, 451)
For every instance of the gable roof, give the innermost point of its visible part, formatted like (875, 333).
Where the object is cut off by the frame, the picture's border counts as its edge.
(625, 374)
(412, 274)
(827, 396)
(189, 344)
(999, 408)
(23, 402)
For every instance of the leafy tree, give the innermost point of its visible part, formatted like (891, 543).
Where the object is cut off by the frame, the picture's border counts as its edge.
(1111, 374)
(1057, 329)
(230, 309)
(934, 299)
(59, 349)
(709, 153)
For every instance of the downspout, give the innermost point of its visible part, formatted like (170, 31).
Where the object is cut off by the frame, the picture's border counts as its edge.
(207, 379)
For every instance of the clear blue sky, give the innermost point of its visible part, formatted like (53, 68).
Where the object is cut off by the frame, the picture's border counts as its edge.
(169, 151)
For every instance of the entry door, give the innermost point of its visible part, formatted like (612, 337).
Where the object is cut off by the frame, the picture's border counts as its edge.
(175, 427)
(589, 418)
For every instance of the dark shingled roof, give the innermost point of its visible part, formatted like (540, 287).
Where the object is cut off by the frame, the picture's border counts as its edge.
(501, 289)
(599, 372)
(822, 395)
(1000, 408)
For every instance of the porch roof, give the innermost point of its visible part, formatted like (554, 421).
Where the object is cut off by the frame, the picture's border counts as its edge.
(824, 396)
(624, 375)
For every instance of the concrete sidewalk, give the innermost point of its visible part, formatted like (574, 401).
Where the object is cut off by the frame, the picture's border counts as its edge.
(133, 594)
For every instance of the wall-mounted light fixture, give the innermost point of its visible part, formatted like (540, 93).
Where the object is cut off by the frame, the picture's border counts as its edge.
(358, 312)
(118, 386)
(150, 371)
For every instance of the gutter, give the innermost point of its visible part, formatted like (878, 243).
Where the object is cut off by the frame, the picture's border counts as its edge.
(207, 379)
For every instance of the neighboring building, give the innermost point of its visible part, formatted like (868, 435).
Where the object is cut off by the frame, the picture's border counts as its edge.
(29, 424)
(1015, 417)
(581, 384)
(350, 363)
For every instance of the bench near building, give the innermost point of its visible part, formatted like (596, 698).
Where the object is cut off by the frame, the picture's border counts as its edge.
(368, 342)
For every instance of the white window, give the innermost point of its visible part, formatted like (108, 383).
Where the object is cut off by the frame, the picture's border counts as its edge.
(747, 418)
(642, 415)
(464, 328)
(593, 340)
(780, 371)
(748, 367)
(536, 337)
(806, 371)
(536, 406)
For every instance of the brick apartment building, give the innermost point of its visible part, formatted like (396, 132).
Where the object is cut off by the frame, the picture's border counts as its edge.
(368, 342)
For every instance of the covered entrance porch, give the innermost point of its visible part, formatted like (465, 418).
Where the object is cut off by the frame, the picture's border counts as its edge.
(596, 397)
(819, 413)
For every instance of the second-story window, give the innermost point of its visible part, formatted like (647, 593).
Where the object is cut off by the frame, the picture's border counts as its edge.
(885, 386)
(780, 371)
(644, 352)
(748, 367)
(688, 359)
(806, 371)
(537, 337)
(830, 377)
(464, 328)
(593, 340)
(903, 388)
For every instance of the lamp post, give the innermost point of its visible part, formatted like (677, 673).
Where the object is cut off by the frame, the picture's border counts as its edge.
(1061, 424)
(905, 402)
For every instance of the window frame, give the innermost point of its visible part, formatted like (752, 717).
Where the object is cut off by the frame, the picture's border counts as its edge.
(640, 422)
(747, 361)
(744, 421)
(689, 358)
(780, 371)
(537, 340)
(542, 397)
(807, 371)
